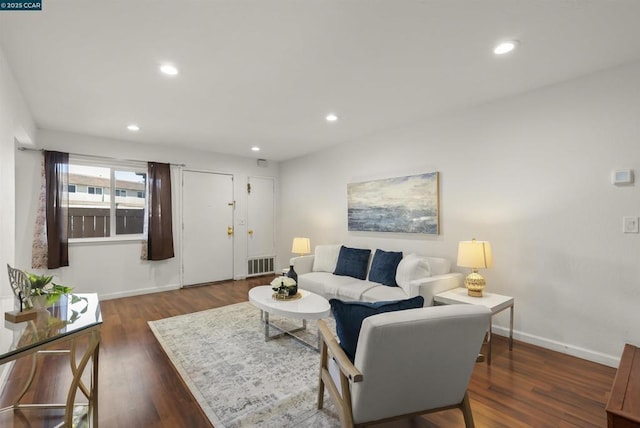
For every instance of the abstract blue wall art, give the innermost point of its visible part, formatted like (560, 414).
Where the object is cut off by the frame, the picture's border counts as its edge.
(407, 204)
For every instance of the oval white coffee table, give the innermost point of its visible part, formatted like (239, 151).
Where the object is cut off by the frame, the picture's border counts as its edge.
(309, 307)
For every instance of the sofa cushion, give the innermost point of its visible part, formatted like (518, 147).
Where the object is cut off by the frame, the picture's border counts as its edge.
(327, 284)
(349, 317)
(384, 266)
(438, 265)
(382, 293)
(325, 258)
(356, 289)
(410, 268)
(353, 262)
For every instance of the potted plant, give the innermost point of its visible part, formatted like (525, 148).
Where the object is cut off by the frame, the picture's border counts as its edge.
(44, 292)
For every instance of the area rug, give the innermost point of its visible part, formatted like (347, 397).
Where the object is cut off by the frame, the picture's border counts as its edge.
(240, 380)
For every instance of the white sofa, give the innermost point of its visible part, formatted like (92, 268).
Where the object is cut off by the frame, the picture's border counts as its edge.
(416, 275)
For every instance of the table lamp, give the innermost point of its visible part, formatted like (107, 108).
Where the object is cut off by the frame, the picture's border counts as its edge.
(301, 246)
(475, 255)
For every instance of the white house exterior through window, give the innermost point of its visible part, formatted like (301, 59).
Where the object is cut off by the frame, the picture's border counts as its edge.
(108, 199)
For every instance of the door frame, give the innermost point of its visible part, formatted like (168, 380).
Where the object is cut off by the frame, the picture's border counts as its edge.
(233, 217)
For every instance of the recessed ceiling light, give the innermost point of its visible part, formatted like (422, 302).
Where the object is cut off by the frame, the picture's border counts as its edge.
(169, 69)
(133, 127)
(331, 117)
(255, 149)
(505, 47)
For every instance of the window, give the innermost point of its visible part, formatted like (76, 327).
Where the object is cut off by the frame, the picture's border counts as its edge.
(107, 209)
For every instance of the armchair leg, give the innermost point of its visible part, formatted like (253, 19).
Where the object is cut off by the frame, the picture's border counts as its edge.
(465, 406)
(323, 365)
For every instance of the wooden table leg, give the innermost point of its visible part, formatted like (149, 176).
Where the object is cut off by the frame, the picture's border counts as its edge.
(511, 329)
(489, 343)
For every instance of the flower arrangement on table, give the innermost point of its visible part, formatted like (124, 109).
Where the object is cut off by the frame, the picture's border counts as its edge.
(284, 287)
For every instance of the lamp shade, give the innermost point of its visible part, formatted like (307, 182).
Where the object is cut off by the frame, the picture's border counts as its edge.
(475, 254)
(301, 246)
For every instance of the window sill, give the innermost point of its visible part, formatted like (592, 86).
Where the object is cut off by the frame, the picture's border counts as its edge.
(109, 240)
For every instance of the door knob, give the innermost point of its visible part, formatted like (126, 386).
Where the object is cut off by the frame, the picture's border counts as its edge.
(230, 230)
(250, 232)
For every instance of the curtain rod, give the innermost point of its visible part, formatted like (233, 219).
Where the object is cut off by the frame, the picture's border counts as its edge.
(22, 149)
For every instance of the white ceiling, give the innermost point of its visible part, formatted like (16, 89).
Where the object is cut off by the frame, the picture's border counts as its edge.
(266, 72)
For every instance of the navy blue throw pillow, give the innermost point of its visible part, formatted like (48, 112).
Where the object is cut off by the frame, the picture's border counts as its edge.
(352, 262)
(384, 267)
(349, 317)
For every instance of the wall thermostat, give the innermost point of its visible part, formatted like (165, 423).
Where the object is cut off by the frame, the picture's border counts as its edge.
(622, 176)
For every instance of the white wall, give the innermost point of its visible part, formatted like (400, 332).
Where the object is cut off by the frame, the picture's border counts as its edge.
(15, 124)
(531, 175)
(115, 269)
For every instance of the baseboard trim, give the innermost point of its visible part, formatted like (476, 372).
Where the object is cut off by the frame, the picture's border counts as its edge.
(138, 291)
(575, 351)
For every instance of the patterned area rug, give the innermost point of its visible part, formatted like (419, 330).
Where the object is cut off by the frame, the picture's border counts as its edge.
(240, 380)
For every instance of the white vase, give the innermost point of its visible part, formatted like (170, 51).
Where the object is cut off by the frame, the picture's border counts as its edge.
(39, 302)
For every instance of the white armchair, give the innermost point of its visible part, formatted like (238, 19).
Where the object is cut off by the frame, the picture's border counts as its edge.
(406, 363)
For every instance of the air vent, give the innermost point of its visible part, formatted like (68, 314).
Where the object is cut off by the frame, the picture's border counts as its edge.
(260, 266)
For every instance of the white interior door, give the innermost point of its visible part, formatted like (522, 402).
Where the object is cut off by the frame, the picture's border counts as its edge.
(261, 217)
(207, 215)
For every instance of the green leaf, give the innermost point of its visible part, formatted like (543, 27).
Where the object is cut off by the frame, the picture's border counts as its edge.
(38, 281)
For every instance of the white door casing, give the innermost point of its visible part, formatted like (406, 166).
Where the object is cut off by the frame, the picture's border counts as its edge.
(207, 215)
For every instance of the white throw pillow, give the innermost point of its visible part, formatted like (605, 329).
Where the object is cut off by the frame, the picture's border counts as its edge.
(325, 258)
(410, 268)
(438, 266)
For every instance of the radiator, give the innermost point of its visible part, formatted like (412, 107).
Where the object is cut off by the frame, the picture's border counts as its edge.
(260, 266)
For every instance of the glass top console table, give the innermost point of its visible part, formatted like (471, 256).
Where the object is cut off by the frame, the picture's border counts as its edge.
(72, 327)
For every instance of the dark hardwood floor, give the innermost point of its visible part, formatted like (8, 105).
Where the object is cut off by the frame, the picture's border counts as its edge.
(138, 386)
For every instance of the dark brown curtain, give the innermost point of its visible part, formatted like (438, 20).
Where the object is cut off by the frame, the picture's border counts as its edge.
(56, 169)
(160, 233)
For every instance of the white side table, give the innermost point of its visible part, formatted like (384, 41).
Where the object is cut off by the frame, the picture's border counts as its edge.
(495, 302)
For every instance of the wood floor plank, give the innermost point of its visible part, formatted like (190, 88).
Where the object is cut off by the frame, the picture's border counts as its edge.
(139, 387)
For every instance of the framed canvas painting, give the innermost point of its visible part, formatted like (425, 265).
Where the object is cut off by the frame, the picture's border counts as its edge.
(407, 204)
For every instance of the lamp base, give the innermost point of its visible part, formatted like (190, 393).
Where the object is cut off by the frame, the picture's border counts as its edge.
(475, 284)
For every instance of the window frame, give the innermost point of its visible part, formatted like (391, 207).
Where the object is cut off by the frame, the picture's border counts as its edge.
(113, 165)
(95, 190)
